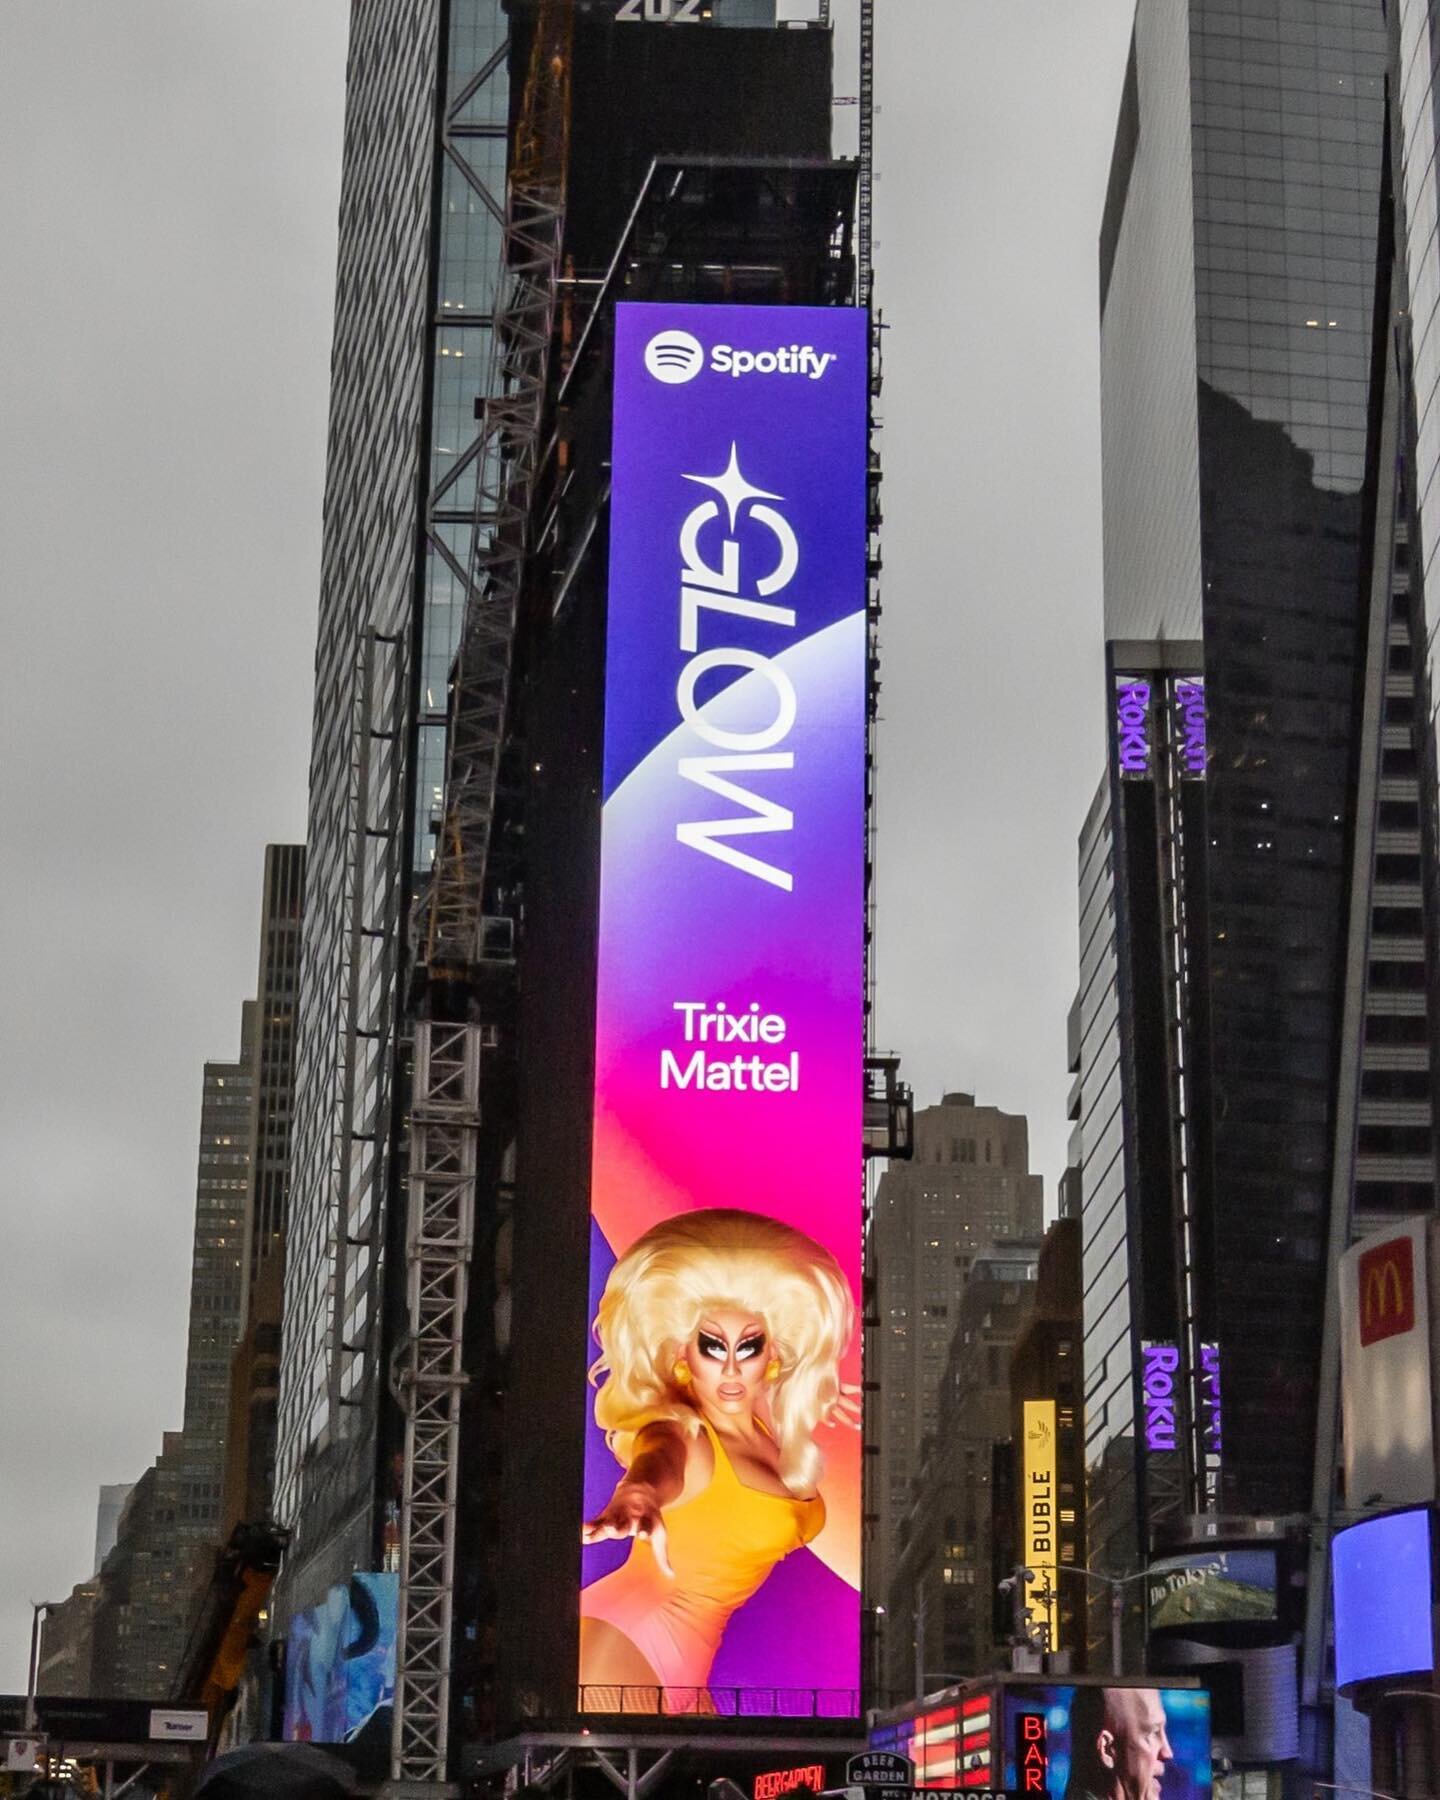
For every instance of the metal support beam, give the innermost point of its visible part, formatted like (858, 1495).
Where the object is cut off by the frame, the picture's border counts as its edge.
(444, 1123)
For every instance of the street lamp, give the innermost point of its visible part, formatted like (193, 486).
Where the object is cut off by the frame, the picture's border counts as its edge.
(1332, 1787)
(1116, 1584)
(37, 1608)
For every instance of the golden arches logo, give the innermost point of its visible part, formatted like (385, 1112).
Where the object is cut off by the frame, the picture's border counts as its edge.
(1386, 1276)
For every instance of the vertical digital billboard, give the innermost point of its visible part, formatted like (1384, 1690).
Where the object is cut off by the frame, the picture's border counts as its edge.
(1040, 1519)
(720, 1568)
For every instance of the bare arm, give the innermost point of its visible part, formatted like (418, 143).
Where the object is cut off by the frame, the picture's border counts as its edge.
(655, 1477)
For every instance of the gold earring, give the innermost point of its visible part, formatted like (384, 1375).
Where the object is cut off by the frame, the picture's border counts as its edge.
(772, 1373)
(682, 1374)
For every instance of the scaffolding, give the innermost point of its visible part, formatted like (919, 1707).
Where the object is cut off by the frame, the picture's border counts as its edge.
(444, 1119)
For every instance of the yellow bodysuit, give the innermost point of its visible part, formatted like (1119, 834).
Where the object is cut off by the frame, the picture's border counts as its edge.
(722, 1544)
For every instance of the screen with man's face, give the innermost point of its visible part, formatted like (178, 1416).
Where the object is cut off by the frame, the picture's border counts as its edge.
(1107, 1743)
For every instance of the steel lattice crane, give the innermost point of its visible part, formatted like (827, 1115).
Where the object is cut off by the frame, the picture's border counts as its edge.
(444, 1119)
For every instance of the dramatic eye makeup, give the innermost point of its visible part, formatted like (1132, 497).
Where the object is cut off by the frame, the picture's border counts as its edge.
(714, 1347)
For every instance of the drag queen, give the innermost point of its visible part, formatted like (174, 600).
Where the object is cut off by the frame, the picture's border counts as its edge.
(720, 1334)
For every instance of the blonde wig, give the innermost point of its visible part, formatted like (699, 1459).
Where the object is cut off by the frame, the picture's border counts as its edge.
(681, 1268)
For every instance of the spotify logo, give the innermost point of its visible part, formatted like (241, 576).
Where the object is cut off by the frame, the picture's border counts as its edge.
(674, 356)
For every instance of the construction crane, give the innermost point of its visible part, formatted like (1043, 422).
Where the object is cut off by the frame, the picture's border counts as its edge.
(444, 1119)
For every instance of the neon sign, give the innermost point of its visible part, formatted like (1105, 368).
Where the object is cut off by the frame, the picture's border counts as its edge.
(1160, 1364)
(1132, 727)
(1211, 1412)
(1191, 737)
(775, 1782)
(1032, 1753)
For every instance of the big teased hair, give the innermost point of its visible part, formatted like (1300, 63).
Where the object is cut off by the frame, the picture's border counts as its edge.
(721, 1257)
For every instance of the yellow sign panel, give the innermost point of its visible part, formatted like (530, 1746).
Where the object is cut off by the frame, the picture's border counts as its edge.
(1039, 1502)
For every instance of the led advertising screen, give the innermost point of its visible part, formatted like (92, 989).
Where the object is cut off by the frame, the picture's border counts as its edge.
(1211, 1587)
(340, 1664)
(720, 1567)
(1039, 1519)
(949, 1742)
(1381, 1574)
(1066, 1743)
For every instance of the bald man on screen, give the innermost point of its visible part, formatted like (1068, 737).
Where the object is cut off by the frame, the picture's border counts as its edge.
(1119, 1747)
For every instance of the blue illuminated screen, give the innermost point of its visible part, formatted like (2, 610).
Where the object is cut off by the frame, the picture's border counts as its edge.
(1381, 1571)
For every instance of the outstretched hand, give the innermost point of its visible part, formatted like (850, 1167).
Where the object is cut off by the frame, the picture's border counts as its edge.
(632, 1512)
(848, 1410)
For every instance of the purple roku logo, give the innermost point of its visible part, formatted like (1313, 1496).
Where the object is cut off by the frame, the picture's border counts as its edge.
(716, 584)
(1192, 741)
(1132, 727)
(1161, 1361)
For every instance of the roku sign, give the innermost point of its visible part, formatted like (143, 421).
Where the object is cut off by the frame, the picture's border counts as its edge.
(1132, 727)
(1193, 742)
(1160, 1364)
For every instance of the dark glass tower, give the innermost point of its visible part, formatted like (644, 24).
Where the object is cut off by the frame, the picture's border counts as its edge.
(1258, 990)
(435, 116)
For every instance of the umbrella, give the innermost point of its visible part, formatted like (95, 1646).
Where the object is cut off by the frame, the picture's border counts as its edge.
(276, 1772)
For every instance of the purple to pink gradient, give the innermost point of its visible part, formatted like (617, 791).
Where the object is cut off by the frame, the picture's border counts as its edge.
(679, 925)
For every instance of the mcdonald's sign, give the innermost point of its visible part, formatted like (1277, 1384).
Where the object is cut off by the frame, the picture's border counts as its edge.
(1385, 1376)
(1386, 1277)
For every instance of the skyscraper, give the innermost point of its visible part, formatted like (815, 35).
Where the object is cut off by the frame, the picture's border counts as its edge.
(107, 1518)
(1258, 927)
(940, 1609)
(216, 1281)
(969, 1189)
(422, 200)
(431, 418)
(277, 984)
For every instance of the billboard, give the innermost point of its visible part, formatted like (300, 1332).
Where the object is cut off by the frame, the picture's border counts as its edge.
(1063, 1742)
(340, 1664)
(1381, 1574)
(1160, 1379)
(1038, 1517)
(720, 1568)
(1385, 1368)
(949, 1742)
(1132, 727)
(1211, 1587)
(1189, 732)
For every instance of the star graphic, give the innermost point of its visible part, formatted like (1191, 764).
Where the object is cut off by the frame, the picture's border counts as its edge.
(732, 487)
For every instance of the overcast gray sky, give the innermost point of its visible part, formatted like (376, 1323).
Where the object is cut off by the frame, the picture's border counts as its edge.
(169, 175)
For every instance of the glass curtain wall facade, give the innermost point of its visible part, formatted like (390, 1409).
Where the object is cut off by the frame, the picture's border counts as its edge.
(1112, 1438)
(421, 218)
(1417, 50)
(274, 1071)
(216, 1282)
(1256, 441)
